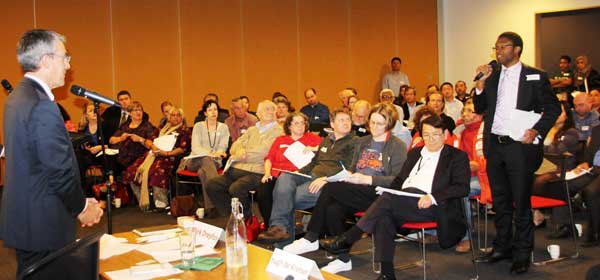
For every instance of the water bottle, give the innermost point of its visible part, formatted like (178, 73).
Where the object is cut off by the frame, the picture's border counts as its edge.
(235, 243)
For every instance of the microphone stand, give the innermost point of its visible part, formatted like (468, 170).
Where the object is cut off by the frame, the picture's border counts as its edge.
(108, 174)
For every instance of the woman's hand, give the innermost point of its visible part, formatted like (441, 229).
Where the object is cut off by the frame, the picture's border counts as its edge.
(266, 178)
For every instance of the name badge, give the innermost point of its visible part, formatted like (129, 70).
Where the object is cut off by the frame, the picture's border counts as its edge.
(208, 235)
(585, 128)
(533, 77)
(324, 149)
(316, 117)
(242, 131)
(284, 264)
(362, 129)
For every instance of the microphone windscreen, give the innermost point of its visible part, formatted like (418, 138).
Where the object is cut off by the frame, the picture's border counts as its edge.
(6, 85)
(77, 90)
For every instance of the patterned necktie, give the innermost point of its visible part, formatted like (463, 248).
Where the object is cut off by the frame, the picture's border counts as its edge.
(123, 118)
(501, 116)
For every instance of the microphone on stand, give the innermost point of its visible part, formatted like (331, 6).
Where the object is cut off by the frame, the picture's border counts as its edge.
(79, 91)
(6, 85)
(492, 63)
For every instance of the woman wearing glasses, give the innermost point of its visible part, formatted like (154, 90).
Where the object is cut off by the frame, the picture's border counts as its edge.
(377, 160)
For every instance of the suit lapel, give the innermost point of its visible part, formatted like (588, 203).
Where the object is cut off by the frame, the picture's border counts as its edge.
(521, 92)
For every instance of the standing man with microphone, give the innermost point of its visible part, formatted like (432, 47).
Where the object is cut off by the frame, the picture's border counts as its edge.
(511, 163)
(42, 198)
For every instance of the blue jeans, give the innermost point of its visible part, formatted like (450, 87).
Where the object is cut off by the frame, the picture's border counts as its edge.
(290, 193)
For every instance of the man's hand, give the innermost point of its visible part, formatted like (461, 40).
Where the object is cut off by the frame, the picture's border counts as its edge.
(487, 71)
(92, 214)
(529, 136)
(582, 166)
(317, 184)
(424, 202)
(359, 179)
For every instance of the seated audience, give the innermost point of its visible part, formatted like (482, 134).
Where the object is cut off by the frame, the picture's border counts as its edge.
(247, 162)
(240, 121)
(452, 106)
(155, 168)
(387, 96)
(316, 112)
(210, 140)
(246, 102)
(86, 154)
(586, 78)
(376, 161)
(299, 192)
(410, 106)
(360, 115)
(562, 137)
(283, 109)
(134, 138)
(440, 175)
(461, 91)
(296, 129)
(165, 108)
(223, 113)
(583, 115)
(435, 101)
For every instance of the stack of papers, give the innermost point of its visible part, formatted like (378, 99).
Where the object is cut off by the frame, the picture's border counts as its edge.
(165, 142)
(142, 272)
(296, 155)
(112, 246)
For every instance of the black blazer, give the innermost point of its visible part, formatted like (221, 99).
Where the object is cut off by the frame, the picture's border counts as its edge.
(406, 111)
(450, 184)
(42, 193)
(534, 95)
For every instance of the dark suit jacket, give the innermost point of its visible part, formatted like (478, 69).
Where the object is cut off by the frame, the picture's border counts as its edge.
(406, 111)
(450, 184)
(533, 95)
(42, 194)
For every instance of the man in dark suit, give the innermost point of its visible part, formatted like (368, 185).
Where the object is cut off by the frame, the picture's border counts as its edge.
(115, 116)
(440, 174)
(511, 162)
(42, 197)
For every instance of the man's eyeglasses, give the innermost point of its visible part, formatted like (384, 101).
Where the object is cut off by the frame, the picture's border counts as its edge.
(66, 57)
(501, 47)
(432, 135)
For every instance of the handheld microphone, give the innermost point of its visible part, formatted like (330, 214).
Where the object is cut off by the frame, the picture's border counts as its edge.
(6, 85)
(480, 74)
(79, 91)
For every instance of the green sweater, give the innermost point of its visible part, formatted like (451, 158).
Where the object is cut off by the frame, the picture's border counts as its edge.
(326, 161)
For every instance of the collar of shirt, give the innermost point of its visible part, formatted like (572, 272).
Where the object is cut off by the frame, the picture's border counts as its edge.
(41, 83)
(427, 155)
(262, 128)
(512, 70)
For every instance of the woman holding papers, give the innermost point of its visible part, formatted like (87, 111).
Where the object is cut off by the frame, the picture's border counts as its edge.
(86, 154)
(277, 159)
(154, 169)
(246, 164)
(562, 137)
(376, 161)
(210, 140)
(440, 174)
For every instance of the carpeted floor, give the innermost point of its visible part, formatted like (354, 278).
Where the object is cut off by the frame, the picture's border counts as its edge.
(442, 264)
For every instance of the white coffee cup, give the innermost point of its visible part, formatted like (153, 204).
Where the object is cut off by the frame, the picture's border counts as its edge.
(183, 220)
(200, 213)
(579, 228)
(554, 251)
(117, 202)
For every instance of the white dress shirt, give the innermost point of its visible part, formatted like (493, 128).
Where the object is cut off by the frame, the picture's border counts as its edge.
(421, 176)
(45, 86)
(508, 92)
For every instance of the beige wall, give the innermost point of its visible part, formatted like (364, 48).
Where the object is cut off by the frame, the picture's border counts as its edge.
(469, 28)
(179, 50)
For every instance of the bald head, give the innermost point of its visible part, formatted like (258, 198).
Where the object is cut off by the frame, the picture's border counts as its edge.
(361, 112)
(582, 104)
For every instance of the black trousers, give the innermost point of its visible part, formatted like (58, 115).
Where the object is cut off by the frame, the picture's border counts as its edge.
(27, 258)
(264, 198)
(510, 169)
(338, 202)
(233, 183)
(386, 216)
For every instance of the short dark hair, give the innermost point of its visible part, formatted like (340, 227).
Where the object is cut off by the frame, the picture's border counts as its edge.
(278, 94)
(446, 84)
(396, 58)
(565, 57)
(288, 122)
(245, 97)
(433, 120)
(335, 112)
(353, 90)
(213, 95)
(207, 104)
(123, 92)
(516, 40)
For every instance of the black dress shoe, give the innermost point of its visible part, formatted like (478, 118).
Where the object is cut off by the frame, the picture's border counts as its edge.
(494, 256)
(562, 232)
(519, 267)
(385, 277)
(336, 245)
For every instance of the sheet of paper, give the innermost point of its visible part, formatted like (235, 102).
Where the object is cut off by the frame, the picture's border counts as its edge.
(196, 156)
(112, 246)
(109, 152)
(293, 173)
(381, 190)
(339, 176)
(175, 255)
(160, 246)
(520, 121)
(296, 155)
(165, 142)
(571, 175)
(126, 274)
(228, 165)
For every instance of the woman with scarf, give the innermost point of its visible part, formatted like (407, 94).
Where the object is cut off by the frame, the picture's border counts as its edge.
(586, 78)
(154, 169)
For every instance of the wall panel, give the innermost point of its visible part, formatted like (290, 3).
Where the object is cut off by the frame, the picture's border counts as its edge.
(147, 52)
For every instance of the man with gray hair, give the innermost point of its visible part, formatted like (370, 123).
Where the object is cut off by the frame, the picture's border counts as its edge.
(42, 197)
(583, 115)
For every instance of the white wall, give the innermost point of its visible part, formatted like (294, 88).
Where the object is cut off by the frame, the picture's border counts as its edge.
(468, 29)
